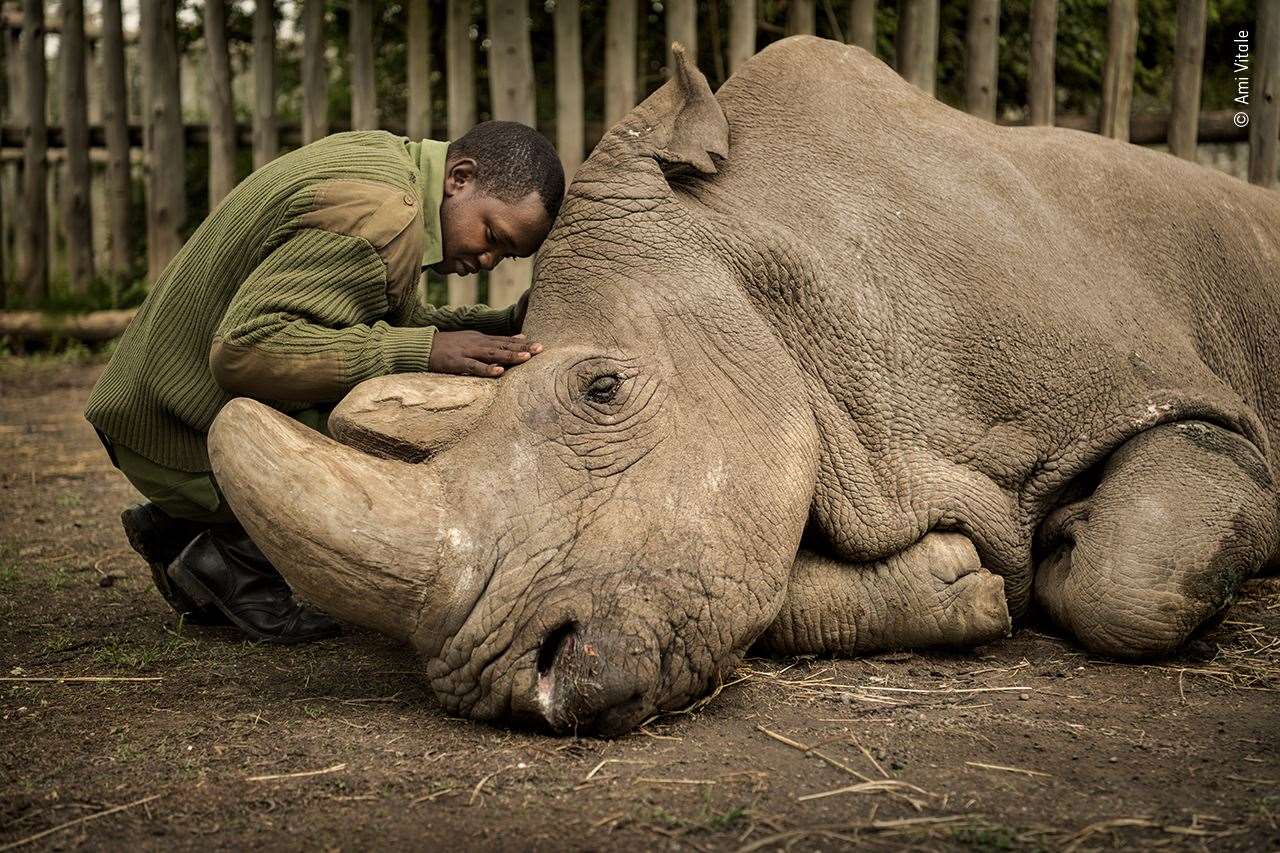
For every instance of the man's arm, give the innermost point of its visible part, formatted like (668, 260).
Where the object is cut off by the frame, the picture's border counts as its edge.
(305, 325)
(477, 318)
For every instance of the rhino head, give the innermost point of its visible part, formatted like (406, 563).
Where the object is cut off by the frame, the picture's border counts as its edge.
(600, 533)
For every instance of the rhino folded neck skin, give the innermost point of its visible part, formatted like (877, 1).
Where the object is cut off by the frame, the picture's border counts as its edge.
(551, 542)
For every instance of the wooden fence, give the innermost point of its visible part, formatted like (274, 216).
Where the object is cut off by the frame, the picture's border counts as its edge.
(161, 138)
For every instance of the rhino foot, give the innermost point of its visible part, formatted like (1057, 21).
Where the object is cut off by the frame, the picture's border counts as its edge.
(1183, 514)
(935, 593)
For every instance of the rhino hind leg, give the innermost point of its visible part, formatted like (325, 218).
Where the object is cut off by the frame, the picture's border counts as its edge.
(935, 593)
(1182, 514)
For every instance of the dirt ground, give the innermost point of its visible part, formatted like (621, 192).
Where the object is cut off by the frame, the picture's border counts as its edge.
(191, 738)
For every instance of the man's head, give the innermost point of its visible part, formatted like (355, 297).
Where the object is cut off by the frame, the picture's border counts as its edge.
(502, 188)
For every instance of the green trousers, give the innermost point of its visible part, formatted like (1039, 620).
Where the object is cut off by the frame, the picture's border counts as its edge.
(193, 495)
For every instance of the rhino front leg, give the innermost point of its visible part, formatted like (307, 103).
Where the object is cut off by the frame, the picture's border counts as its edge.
(1183, 513)
(935, 593)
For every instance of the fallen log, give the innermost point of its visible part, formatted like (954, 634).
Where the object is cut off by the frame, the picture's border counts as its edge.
(94, 327)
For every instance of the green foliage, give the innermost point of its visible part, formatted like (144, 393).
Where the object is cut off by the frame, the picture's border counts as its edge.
(141, 656)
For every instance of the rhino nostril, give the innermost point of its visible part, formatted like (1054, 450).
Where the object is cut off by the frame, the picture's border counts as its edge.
(551, 645)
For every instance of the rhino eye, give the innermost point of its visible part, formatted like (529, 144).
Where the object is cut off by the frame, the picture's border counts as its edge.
(603, 388)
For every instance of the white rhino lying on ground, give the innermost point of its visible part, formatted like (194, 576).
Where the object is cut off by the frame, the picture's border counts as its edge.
(831, 367)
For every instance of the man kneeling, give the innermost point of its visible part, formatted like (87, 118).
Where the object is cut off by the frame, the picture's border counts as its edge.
(301, 284)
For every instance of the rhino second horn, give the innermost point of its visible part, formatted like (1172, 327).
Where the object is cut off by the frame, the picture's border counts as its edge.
(358, 536)
(410, 416)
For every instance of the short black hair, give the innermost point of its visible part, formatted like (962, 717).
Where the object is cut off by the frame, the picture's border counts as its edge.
(513, 160)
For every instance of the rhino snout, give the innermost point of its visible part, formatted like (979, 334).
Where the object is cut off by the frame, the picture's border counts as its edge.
(592, 678)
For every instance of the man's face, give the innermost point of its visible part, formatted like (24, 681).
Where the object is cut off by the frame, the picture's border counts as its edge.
(479, 230)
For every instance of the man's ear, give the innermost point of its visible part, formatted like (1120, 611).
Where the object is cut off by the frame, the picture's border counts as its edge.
(461, 173)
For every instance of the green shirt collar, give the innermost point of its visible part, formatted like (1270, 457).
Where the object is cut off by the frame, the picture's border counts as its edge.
(430, 157)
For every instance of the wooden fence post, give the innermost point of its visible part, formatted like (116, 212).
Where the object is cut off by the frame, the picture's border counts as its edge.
(682, 26)
(862, 24)
(166, 154)
(418, 125)
(364, 93)
(266, 135)
(982, 56)
(619, 60)
(461, 82)
(222, 116)
(511, 90)
(570, 132)
(801, 17)
(1041, 98)
(1264, 99)
(315, 75)
(1117, 78)
(10, 173)
(77, 218)
(1188, 66)
(115, 120)
(742, 32)
(918, 43)
(34, 239)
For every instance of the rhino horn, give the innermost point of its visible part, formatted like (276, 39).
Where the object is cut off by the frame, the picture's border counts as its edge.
(362, 537)
(410, 416)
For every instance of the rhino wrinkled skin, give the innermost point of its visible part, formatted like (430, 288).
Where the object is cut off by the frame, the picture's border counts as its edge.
(830, 367)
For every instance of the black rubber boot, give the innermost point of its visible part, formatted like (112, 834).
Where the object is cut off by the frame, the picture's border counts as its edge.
(223, 568)
(159, 538)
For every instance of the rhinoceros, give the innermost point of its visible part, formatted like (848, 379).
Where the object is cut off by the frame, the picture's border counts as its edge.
(830, 368)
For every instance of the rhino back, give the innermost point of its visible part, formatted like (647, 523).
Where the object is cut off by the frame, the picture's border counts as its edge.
(987, 312)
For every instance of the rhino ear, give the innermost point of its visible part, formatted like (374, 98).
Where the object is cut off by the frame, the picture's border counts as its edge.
(686, 125)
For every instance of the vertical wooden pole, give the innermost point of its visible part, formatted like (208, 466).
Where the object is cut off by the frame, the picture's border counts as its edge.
(862, 24)
(222, 116)
(13, 68)
(742, 32)
(682, 26)
(93, 65)
(10, 173)
(77, 218)
(1041, 100)
(982, 54)
(461, 82)
(801, 17)
(315, 74)
(166, 155)
(641, 83)
(570, 130)
(34, 240)
(1188, 66)
(619, 60)
(115, 121)
(1117, 78)
(716, 46)
(511, 91)
(1264, 103)
(364, 95)
(460, 72)
(419, 47)
(266, 136)
(918, 43)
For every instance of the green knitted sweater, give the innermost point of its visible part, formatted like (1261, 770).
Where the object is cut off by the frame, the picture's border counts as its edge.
(299, 285)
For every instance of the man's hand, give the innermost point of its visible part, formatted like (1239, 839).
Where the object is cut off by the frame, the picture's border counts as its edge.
(478, 354)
